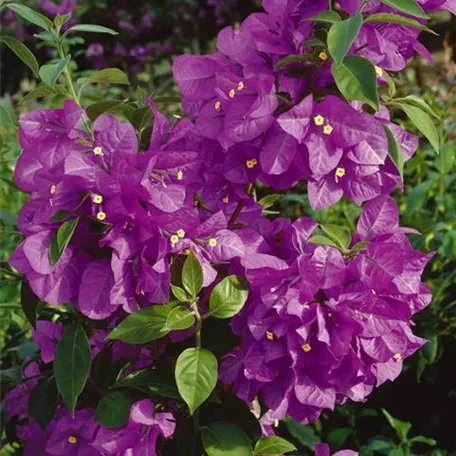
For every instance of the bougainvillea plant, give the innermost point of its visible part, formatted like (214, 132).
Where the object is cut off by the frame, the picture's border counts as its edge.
(180, 317)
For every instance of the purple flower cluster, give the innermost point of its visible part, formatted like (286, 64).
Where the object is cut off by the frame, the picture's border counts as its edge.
(322, 326)
(264, 110)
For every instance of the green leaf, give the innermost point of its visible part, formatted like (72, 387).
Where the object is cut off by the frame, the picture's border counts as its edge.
(60, 216)
(339, 234)
(39, 92)
(23, 52)
(72, 365)
(337, 437)
(144, 326)
(269, 200)
(225, 439)
(444, 162)
(342, 35)
(292, 59)
(422, 439)
(396, 19)
(402, 428)
(359, 246)
(407, 6)
(305, 435)
(192, 275)
(179, 293)
(418, 103)
(29, 302)
(108, 76)
(322, 240)
(152, 381)
(330, 17)
(60, 20)
(196, 376)
(395, 151)
(422, 121)
(32, 16)
(113, 410)
(91, 28)
(228, 297)
(5, 118)
(43, 401)
(179, 318)
(51, 72)
(357, 80)
(8, 217)
(273, 445)
(97, 109)
(61, 239)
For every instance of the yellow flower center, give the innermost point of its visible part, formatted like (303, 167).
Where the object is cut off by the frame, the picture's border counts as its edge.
(319, 120)
(212, 242)
(101, 216)
(226, 199)
(251, 163)
(180, 175)
(328, 129)
(98, 151)
(72, 439)
(174, 239)
(97, 199)
(269, 335)
(397, 356)
(53, 189)
(340, 172)
(323, 55)
(306, 348)
(232, 93)
(379, 71)
(181, 233)
(218, 105)
(241, 86)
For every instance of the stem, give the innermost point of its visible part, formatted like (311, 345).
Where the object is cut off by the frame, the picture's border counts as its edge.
(239, 207)
(199, 324)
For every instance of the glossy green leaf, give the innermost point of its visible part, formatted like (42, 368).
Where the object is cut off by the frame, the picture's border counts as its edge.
(152, 381)
(395, 151)
(417, 102)
(179, 293)
(422, 122)
(72, 365)
(23, 52)
(60, 216)
(396, 19)
(61, 19)
(342, 35)
(43, 401)
(444, 162)
(179, 318)
(402, 428)
(39, 92)
(407, 6)
(30, 15)
(269, 200)
(144, 326)
(322, 240)
(6, 119)
(61, 239)
(292, 59)
(273, 445)
(113, 410)
(228, 297)
(108, 76)
(225, 439)
(192, 275)
(357, 80)
(330, 17)
(196, 376)
(97, 109)
(91, 28)
(50, 73)
(339, 234)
